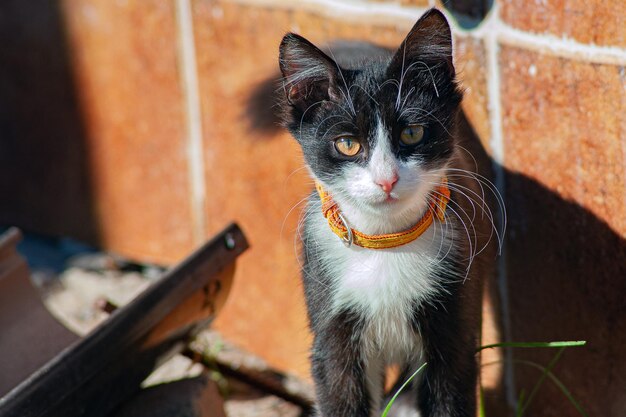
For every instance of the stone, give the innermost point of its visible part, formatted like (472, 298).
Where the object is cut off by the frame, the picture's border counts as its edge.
(598, 22)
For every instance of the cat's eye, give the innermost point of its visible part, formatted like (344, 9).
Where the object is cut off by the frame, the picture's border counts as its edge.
(347, 146)
(411, 135)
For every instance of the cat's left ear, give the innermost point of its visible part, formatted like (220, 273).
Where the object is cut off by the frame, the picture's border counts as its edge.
(428, 46)
(309, 75)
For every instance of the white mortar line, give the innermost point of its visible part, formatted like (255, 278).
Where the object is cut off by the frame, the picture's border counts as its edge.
(562, 47)
(497, 152)
(403, 17)
(189, 81)
(355, 11)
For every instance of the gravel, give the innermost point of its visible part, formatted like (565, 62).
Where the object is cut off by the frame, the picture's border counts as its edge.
(72, 295)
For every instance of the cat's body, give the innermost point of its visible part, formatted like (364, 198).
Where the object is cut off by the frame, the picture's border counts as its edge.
(380, 135)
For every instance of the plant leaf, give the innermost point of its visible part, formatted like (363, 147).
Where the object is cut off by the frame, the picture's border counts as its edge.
(559, 344)
(540, 381)
(552, 377)
(393, 399)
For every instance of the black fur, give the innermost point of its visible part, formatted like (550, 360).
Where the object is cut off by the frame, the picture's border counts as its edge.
(311, 105)
(318, 105)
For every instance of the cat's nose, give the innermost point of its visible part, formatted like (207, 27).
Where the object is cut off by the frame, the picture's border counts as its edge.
(387, 183)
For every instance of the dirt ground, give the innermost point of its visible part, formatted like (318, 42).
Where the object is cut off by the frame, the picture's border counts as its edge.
(72, 295)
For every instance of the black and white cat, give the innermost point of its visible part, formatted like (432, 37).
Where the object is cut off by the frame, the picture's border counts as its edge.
(379, 135)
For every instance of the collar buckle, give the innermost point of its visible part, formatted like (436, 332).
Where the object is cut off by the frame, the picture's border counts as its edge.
(347, 240)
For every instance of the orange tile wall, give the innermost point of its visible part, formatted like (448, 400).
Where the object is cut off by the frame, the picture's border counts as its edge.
(102, 138)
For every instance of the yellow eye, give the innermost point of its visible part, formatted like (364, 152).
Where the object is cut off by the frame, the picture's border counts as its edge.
(412, 134)
(347, 146)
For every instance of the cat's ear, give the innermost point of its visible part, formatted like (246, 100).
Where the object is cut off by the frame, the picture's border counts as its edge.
(428, 46)
(309, 75)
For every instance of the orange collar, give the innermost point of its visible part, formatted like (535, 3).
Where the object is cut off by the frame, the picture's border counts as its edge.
(437, 207)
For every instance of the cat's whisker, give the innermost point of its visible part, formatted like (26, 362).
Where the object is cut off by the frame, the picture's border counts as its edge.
(485, 181)
(407, 96)
(472, 239)
(485, 209)
(471, 254)
(480, 181)
(402, 72)
(365, 91)
(495, 192)
(294, 172)
(282, 227)
(305, 111)
(481, 197)
(491, 233)
(330, 128)
(448, 229)
(349, 98)
(470, 200)
(390, 81)
(299, 238)
(463, 148)
(474, 252)
(444, 233)
(428, 113)
(432, 77)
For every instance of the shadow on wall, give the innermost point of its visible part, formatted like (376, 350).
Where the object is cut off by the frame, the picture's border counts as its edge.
(565, 273)
(565, 270)
(43, 156)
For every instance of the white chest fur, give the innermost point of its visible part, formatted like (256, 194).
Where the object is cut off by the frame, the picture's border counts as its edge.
(384, 286)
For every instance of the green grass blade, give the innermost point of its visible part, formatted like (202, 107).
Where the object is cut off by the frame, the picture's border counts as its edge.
(481, 410)
(393, 399)
(541, 380)
(520, 402)
(558, 383)
(552, 377)
(559, 344)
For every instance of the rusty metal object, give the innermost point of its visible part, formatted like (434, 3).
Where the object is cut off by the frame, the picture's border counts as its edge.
(270, 381)
(29, 335)
(93, 375)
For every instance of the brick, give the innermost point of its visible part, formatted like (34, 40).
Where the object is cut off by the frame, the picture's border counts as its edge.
(126, 70)
(588, 21)
(563, 127)
(44, 177)
(566, 247)
(413, 3)
(93, 125)
(471, 65)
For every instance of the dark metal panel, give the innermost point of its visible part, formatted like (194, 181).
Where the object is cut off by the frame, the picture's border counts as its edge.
(93, 375)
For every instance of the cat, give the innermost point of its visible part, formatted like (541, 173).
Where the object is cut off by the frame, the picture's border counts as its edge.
(398, 235)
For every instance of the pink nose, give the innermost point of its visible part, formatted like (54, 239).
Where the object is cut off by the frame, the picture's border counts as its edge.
(388, 183)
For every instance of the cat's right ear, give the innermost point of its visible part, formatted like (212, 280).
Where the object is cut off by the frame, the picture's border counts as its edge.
(309, 75)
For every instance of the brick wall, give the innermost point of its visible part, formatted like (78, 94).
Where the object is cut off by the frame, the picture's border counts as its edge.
(122, 123)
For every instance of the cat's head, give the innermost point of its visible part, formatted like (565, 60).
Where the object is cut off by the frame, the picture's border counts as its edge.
(377, 133)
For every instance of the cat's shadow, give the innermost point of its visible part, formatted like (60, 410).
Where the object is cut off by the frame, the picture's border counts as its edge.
(562, 277)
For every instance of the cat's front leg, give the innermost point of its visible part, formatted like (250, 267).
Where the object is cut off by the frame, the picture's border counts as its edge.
(448, 389)
(339, 369)
(448, 384)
